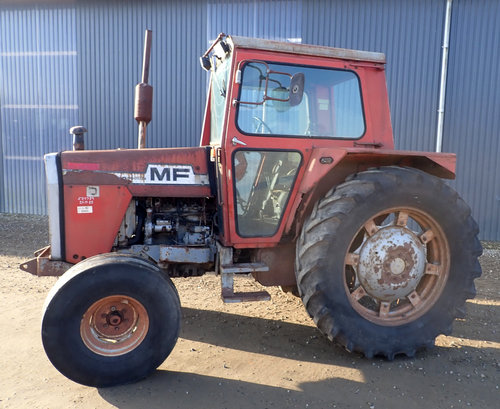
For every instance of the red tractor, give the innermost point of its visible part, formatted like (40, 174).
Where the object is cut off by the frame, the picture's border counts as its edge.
(296, 181)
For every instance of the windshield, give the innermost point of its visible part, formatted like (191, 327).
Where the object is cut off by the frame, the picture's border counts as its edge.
(330, 105)
(220, 80)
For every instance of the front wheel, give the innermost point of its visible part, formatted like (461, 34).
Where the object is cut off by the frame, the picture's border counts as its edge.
(109, 320)
(386, 261)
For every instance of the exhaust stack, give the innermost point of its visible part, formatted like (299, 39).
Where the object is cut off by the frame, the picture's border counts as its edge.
(143, 106)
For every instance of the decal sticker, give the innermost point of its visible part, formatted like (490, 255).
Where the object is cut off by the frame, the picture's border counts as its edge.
(85, 200)
(93, 191)
(323, 104)
(165, 175)
(82, 166)
(84, 209)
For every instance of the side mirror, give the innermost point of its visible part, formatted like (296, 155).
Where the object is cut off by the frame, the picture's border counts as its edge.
(296, 89)
(205, 63)
(258, 80)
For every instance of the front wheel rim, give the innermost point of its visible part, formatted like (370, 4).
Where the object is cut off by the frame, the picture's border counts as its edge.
(114, 325)
(409, 262)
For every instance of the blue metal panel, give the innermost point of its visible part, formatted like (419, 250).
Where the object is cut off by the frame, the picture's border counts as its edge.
(472, 115)
(38, 99)
(110, 45)
(278, 20)
(409, 33)
(78, 64)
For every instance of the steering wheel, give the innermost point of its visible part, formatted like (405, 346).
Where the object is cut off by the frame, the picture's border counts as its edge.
(261, 124)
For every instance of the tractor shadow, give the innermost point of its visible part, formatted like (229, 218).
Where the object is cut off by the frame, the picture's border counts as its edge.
(262, 336)
(305, 343)
(174, 390)
(342, 379)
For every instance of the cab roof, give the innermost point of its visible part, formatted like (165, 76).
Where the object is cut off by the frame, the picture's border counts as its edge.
(305, 49)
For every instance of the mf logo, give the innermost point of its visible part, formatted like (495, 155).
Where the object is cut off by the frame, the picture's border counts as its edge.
(165, 175)
(162, 174)
(173, 175)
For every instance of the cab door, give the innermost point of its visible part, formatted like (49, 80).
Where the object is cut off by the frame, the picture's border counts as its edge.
(278, 112)
(263, 163)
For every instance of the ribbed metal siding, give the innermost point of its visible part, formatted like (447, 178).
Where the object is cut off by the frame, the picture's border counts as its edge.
(277, 20)
(93, 54)
(472, 115)
(409, 33)
(110, 44)
(37, 99)
(79, 65)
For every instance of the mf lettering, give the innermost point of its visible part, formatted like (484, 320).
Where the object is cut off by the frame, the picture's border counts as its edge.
(169, 174)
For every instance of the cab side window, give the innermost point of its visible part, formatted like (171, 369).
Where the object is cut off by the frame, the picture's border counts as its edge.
(330, 107)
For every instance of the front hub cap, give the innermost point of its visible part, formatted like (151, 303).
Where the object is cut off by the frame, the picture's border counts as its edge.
(114, 325)
(391, 263)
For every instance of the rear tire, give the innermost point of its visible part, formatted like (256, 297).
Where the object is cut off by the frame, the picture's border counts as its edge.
(386, 261)
(110, 319)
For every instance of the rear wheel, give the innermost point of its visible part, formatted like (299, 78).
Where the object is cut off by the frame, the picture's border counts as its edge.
(386, 261)
(110, 319)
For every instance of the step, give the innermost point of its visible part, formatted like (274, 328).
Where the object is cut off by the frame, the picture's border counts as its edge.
(228, 269)
(228, 296)
(243, 268)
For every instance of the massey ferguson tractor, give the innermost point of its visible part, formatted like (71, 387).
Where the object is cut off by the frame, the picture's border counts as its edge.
(296, 182)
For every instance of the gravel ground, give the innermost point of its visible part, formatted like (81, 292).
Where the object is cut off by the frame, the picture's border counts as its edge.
(253, 355)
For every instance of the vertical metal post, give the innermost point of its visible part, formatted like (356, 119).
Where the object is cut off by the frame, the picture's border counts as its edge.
(444, 72)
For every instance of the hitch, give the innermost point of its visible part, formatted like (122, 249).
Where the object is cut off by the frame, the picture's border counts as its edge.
(42, 265)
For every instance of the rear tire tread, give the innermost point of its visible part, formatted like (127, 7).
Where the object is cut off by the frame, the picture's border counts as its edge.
(319, 232)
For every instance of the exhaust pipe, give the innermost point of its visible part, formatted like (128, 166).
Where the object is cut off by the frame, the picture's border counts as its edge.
(78, 140)
(143, 106)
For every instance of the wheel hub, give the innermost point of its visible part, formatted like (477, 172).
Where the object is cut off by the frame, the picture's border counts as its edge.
(114, 325)
(391, 263)
(114, 319)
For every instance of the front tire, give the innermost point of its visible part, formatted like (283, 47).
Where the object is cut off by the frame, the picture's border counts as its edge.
(386, 261)
(110, 319)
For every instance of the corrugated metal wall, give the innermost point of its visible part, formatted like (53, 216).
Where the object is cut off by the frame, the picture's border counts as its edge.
(81, 62)
(110, 40)
(472, 117)
(276, 20)
(38, 99)
(409, 33)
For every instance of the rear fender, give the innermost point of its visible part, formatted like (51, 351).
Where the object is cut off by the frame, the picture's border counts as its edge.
(329, 167)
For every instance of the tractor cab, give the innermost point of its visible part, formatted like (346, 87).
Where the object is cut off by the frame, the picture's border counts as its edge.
(271, 108)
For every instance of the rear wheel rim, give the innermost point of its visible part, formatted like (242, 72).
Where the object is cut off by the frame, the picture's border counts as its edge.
(114, 325)
(396, 266)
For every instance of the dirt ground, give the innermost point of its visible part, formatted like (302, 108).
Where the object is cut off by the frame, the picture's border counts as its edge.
(252, 355)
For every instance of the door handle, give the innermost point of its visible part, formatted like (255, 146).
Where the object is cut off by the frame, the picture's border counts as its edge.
(236, 141)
